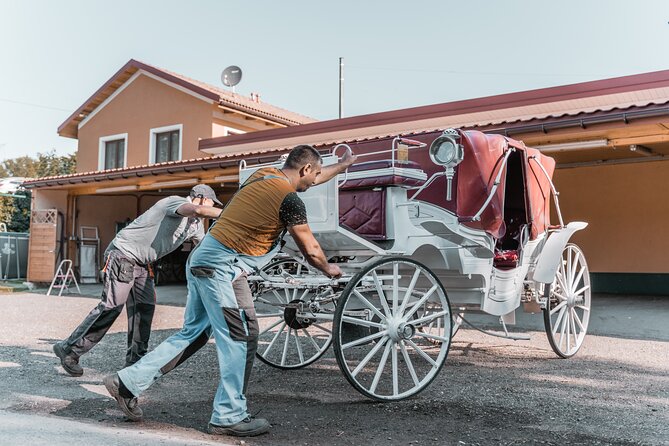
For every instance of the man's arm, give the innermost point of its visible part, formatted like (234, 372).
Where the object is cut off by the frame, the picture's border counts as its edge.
(329, 172)
(312, 250)
(194, 210)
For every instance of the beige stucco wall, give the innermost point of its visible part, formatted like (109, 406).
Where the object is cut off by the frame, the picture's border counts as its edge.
(104, 211)
(627, 207)
(145, 104)
(49, 199)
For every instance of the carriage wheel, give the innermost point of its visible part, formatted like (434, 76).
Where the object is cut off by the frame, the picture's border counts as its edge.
(295, 328)
(385, 329)
(567, 310)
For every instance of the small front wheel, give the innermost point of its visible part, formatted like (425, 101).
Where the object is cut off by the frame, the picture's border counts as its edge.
(568, 301)
(295, 323)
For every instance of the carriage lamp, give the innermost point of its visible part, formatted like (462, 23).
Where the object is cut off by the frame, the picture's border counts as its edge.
(446, 151)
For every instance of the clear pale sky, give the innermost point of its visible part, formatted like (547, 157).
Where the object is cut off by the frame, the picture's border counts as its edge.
(397, 54)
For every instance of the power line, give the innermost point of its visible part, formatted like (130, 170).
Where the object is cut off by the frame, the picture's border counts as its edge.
(33, 105)
(484, 73)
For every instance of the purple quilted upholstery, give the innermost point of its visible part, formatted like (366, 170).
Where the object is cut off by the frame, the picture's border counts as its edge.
(386, 180)
(364, 212)
(362, 202)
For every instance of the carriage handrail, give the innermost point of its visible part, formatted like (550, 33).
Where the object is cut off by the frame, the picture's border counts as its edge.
(554, 191)
(426, 184)
(477, 216)
(334, 152)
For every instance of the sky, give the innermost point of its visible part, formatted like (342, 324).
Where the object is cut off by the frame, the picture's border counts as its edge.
(397, 54)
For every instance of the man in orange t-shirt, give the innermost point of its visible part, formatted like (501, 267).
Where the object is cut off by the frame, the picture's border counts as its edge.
(245, 237)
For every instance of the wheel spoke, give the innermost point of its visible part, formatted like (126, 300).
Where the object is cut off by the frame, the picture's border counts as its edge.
(563, 328)
(270, 327)
(562, 282)
(568, 330)
(364, 340)
(559, 307)
(581, 290)
(285, 347)
(578, 321)
(559, 319)
(322, 328)
(420, 302)
(577, 278)
(369, 356)
(264, 315)
(573, 327)
(369, 305)
(429, 317)
(382, 365)
(574, 264)
(362, 322)
(313, 341)
(271, 344)
(299, 346)
(422, 353)
(382, 296)
(396, 387)
(278, 296)
(395, 291)
(409, 364)
(265, 301)
(407, 295)
(559, 296)
(582, 307)
(431, 336)
(568, 274)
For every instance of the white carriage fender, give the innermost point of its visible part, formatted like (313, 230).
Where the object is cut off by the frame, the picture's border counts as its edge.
(549, 259)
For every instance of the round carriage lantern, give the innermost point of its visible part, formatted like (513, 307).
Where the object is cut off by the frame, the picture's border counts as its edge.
(447, 152)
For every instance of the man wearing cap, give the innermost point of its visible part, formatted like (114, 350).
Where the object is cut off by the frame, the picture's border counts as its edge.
(128, 278)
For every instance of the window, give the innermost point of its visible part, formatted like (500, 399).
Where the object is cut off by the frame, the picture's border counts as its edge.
(113, 152)
(165, 144)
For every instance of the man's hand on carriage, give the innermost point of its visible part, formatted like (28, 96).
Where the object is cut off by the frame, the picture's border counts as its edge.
(312, 251)
(348, 159)
(333, 271)
(331, 171)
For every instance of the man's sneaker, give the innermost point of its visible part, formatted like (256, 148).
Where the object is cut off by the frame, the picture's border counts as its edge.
(248, 427)
(69, 362)
(128, 405)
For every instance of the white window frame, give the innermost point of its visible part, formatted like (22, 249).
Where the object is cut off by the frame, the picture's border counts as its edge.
(227, 131)
(102, 145)
(167, 128)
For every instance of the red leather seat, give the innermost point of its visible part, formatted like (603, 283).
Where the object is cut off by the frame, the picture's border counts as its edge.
(506, 259)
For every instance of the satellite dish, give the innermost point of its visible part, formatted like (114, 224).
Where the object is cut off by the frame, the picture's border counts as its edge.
(231, 76)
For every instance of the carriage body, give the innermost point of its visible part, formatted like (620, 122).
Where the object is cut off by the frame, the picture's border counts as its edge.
(474, 237)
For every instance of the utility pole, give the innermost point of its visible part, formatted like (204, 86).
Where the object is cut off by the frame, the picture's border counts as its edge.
(341, 87)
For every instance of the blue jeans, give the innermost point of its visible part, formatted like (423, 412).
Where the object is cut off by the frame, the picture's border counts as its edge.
(219, 304)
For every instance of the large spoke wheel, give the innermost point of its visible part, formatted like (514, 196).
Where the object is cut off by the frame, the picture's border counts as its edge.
(295, 321)
(392, 329)
(567, 310)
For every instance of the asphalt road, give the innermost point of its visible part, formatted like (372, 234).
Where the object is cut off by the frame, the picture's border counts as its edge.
(491, 391)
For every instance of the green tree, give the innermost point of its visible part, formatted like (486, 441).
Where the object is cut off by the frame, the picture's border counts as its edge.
(15, 211)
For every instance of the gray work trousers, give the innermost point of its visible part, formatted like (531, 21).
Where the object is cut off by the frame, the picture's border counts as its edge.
(124, 283)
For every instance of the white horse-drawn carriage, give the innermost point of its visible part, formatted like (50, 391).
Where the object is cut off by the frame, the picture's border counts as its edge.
(426, 231)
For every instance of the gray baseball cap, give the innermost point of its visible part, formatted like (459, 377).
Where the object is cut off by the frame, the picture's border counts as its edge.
(204, 191)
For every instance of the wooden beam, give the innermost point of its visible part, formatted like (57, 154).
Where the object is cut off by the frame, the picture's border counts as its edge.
(640, 140)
